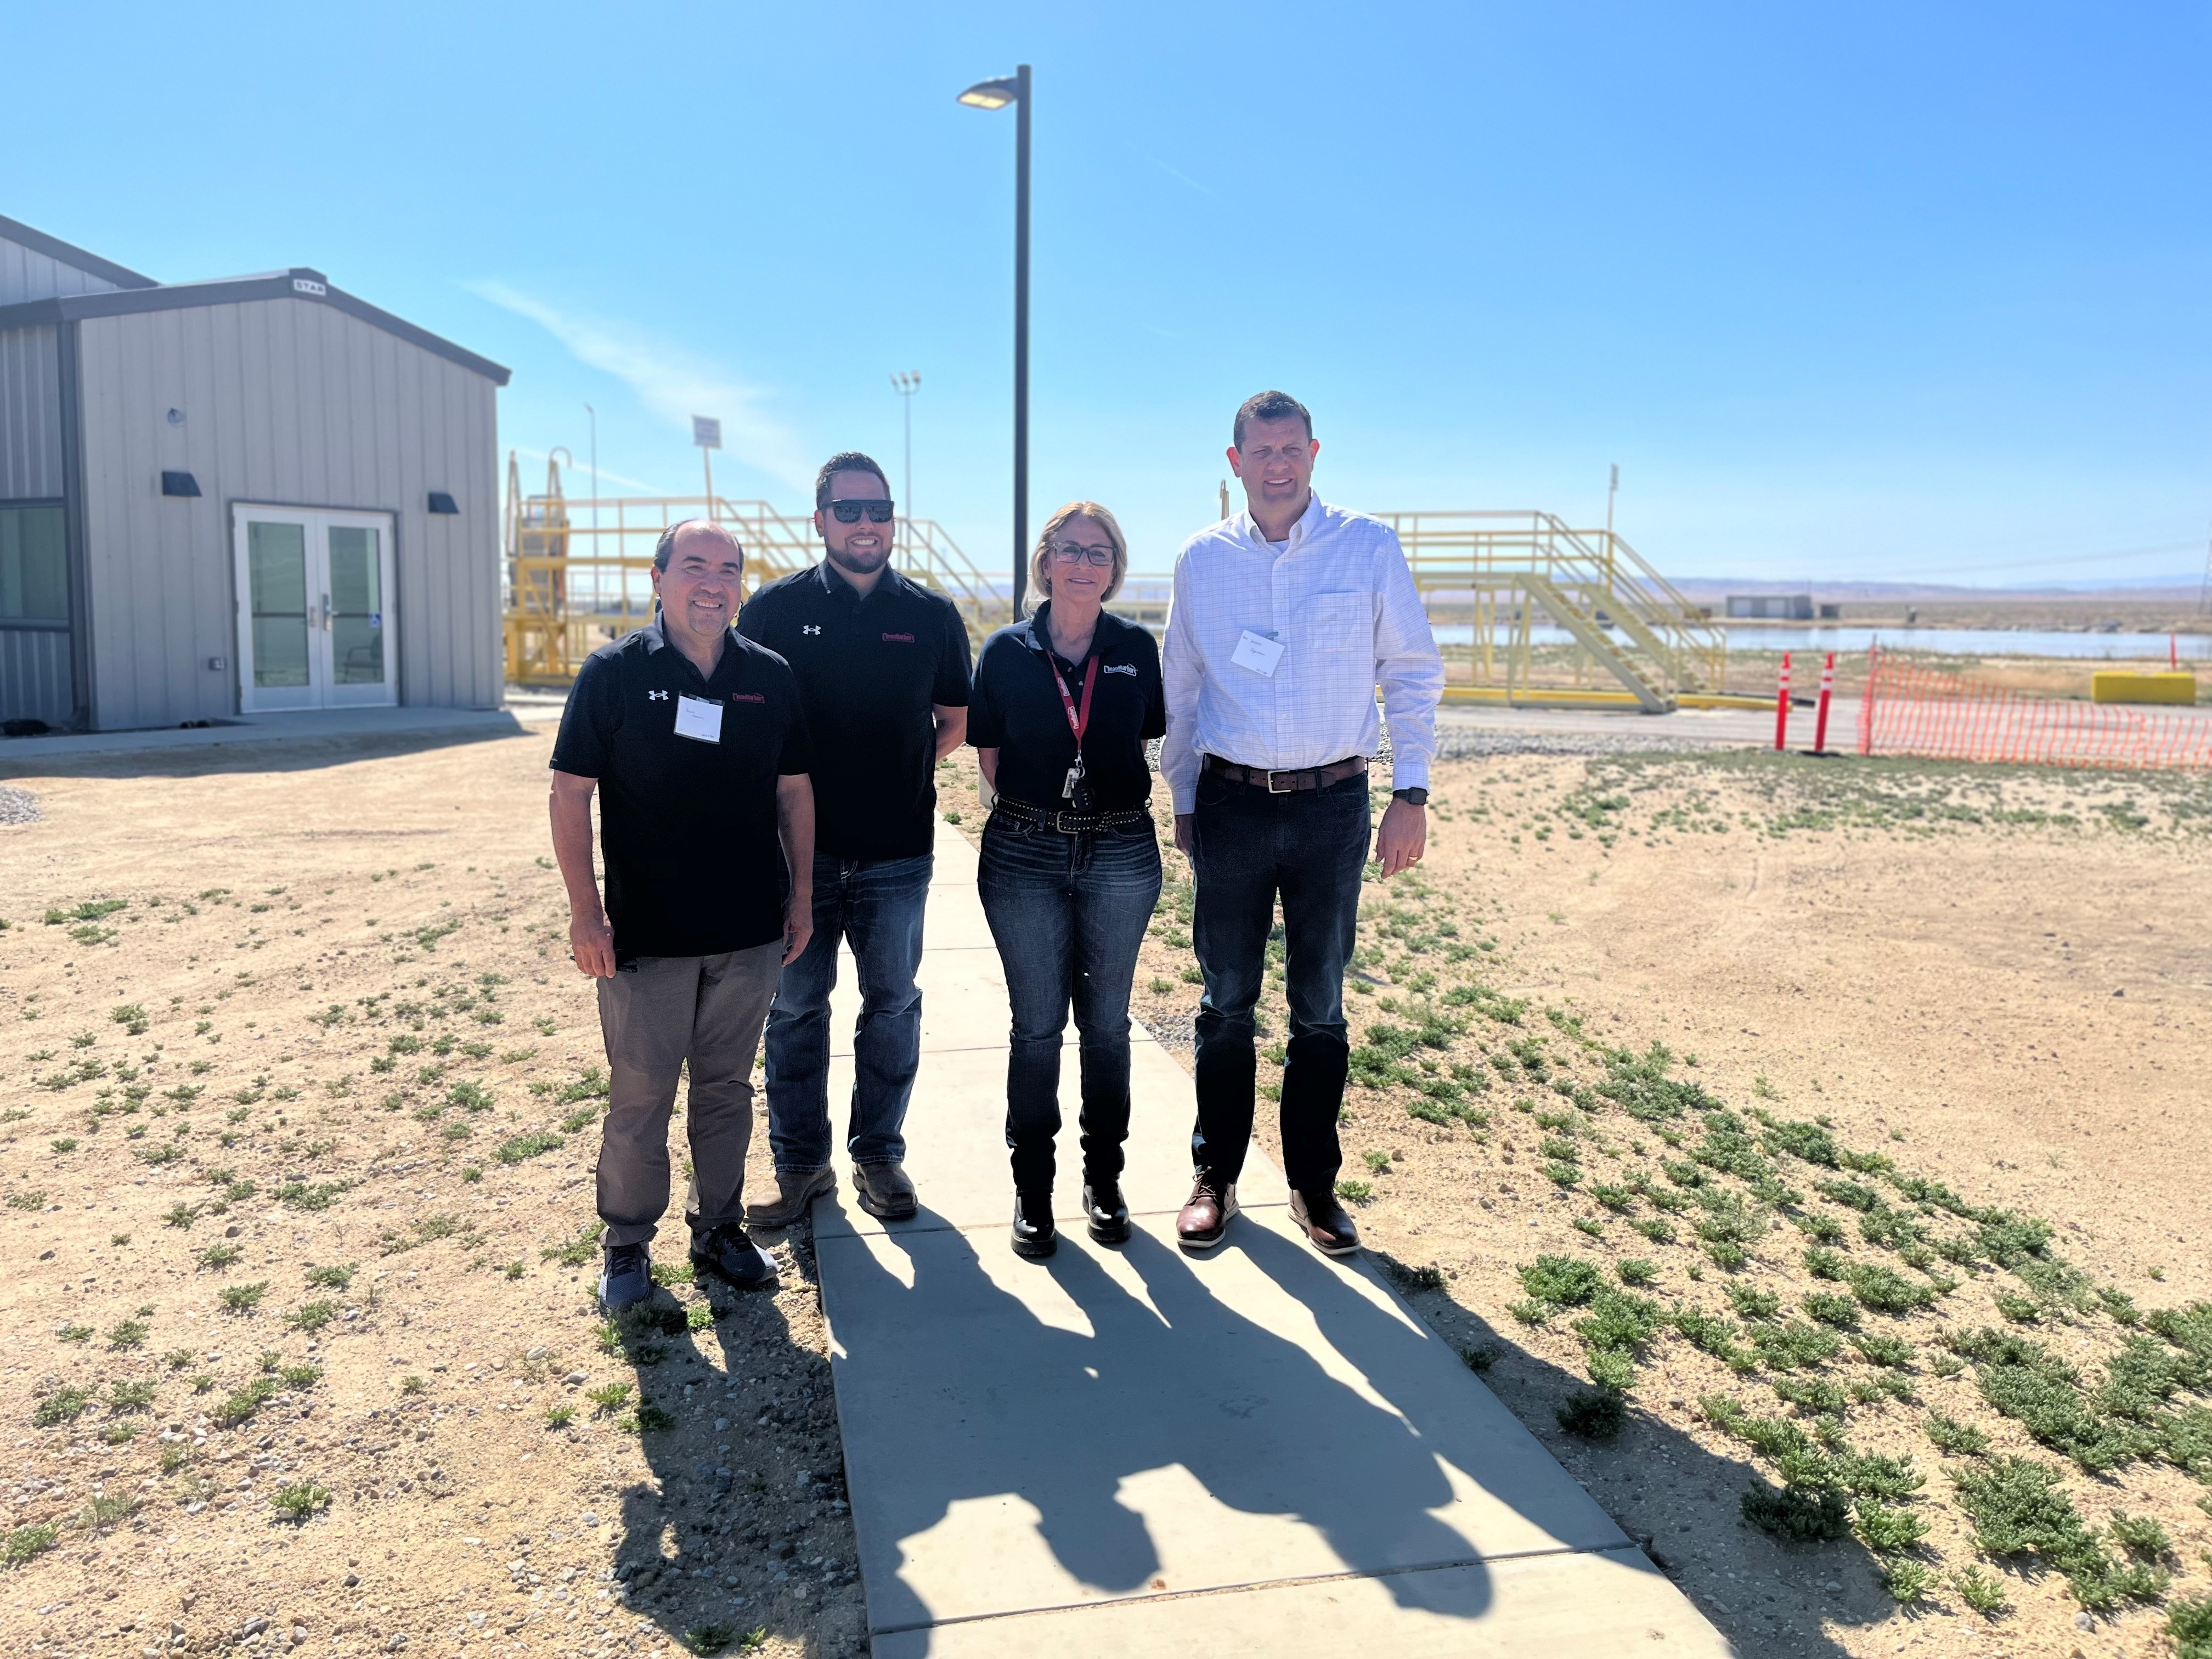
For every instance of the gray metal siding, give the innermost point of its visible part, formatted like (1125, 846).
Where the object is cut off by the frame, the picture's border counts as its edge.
(290, 402)
(35, 675)
(27, 274)
(30, 413)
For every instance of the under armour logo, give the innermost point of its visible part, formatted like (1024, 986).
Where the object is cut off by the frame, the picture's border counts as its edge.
(811, 628)
(656, 697)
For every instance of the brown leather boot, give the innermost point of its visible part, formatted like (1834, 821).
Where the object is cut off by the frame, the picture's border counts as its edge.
(1206, 1218)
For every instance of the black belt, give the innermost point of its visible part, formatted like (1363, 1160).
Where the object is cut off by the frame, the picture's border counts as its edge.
(1071, 824)
(1283, 783)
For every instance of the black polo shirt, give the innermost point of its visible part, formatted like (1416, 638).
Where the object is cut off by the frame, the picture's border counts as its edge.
(868, 670)
(688, 827)
(1018, 711)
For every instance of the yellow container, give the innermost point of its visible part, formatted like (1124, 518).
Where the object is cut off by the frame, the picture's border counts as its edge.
(2112, 685)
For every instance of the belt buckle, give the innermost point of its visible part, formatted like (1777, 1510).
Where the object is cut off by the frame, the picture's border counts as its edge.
(1287, 789)
(1058, 827)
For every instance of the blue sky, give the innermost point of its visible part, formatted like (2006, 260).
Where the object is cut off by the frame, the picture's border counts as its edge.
(1888, 291)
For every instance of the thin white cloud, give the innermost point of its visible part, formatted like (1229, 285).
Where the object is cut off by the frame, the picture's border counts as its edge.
(671, 381)
(579, 471)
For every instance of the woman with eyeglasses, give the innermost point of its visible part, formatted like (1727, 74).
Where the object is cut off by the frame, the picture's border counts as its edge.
(1063, 703)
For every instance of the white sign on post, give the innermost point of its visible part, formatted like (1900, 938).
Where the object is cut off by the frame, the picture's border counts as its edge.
(706, 431)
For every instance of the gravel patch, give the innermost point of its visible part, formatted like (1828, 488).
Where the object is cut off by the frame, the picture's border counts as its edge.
(1472, 743)
(18, 806)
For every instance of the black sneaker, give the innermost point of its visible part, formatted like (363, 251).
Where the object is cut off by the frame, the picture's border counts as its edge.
(1108, 1215)
(1035, 1235)
(627, 1279)
(733, 1257)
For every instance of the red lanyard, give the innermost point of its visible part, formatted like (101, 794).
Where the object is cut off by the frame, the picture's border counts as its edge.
(1075, 723)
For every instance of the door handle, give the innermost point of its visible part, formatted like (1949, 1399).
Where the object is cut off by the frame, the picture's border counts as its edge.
(327, 613)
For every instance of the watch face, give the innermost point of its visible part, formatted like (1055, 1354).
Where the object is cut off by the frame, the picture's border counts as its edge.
(1412, 797)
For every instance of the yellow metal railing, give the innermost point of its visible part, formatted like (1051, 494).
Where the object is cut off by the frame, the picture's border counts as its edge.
(579, 570)
(1509, 573)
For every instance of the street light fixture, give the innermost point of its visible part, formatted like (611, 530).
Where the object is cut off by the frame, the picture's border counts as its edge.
(997, 95)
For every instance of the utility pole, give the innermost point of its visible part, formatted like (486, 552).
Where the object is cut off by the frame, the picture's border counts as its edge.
(906, 383)
(1612, 490)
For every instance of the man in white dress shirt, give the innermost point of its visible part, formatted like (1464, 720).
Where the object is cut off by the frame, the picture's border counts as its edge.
(1286, 618)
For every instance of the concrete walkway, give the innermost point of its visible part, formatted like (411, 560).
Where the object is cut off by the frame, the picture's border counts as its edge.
(1132, 1452)
(22, 756)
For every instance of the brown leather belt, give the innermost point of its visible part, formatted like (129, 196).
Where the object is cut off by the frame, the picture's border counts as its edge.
(1284, 783)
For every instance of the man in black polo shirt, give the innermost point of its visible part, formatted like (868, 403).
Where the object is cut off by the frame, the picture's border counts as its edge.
(695, 739)
(883, 669)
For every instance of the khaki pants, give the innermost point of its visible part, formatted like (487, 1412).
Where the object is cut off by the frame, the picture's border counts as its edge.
(657, 1016)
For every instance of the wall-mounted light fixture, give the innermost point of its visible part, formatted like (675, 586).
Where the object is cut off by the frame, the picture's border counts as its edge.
(441, 503)
(179, 484)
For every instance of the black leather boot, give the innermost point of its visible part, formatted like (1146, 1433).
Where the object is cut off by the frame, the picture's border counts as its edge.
(1035, 1236)
(1102, 1207)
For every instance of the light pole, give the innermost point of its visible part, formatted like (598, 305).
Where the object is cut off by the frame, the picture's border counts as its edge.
(906, 383)
(997, 95)
(594, 414)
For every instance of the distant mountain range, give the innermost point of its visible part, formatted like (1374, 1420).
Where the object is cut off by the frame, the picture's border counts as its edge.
(2176, 589)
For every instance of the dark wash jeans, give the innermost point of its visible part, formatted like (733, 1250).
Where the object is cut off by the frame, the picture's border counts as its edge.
(1069, 913)
(1308, 847)
(876, 906)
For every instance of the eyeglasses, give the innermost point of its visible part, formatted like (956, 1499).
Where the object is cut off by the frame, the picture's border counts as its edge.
(1076, 553)
(849, 511)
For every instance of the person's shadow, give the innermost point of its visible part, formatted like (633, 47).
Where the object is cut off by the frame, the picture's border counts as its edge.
(1098, 1430)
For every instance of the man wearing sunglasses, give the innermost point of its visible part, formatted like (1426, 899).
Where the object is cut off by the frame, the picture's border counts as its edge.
(882, 666)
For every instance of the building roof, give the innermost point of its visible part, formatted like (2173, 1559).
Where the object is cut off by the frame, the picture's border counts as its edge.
(68, 254)
(135, 292)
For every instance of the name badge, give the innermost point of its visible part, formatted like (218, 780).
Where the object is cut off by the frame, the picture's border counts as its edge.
(698, 719)
(1257, 652)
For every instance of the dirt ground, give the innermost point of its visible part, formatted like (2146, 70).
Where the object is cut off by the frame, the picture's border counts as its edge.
(330, 1046)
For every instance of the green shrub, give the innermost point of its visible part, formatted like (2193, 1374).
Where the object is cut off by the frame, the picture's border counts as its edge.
(1889, 1351)
(1886, 1530)
(1795, 1516)
(27, 1543)
(1831, 1309)
(1594, 1413)
(1950, 1435)
(1562, 1281)
(62, 1405)
(1753, 1304)
(2189, 1623)
(1980, 1591)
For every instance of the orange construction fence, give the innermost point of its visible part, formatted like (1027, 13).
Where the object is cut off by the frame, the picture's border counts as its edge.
(1913, 710)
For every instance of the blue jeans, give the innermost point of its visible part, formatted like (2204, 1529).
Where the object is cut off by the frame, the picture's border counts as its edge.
(1309, 847)
(1068, 912)
(876, 908)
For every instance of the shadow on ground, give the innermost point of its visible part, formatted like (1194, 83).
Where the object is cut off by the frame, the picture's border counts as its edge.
(743, 1526)
(1373, 1511)
(21, 757)
(1681, 1501)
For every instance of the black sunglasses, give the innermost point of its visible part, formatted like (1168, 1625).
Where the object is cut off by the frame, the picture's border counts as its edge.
(849, 511)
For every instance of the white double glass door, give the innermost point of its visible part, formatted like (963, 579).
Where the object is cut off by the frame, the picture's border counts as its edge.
(315, 618)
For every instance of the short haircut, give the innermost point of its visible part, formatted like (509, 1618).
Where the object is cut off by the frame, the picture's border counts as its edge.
(850, 461)
(1041, 560)
(664, 549)
(1270, 406)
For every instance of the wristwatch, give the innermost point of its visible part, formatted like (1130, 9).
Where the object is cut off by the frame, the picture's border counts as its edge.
(1411, 797)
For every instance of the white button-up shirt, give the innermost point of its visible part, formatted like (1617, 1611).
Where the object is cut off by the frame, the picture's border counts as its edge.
(1339, 598)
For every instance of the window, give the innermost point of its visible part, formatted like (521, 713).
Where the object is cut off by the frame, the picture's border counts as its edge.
(33, 566)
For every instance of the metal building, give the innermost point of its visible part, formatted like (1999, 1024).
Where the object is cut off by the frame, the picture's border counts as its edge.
(231, 497)
(1772, 607)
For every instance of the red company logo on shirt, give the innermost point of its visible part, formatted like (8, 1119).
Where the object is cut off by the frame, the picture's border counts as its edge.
(902, 639)
(747, 696)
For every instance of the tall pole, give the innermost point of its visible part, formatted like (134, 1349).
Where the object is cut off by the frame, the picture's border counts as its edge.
(1021, 334)
(594, 414)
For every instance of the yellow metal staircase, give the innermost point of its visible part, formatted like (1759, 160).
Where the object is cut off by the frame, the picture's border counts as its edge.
(1505, 571)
